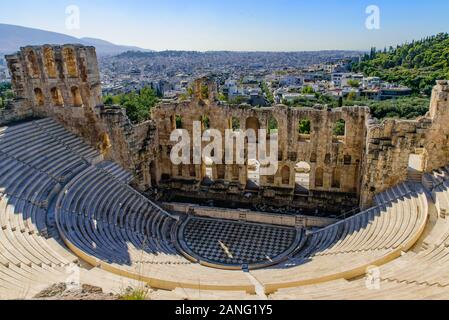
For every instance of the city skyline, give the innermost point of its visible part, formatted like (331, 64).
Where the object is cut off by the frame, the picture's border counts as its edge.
(249, 26)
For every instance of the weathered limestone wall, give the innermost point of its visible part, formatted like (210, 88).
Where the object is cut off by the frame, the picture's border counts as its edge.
(15, 112)
(133, 146)
(437, 136)
(335, 162)
(389, 145)
(250, 216)
(63, 82)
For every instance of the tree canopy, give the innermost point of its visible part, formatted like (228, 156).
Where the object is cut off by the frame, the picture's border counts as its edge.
(5, 93)
(137, 104)
(405, 108)
(416, 65)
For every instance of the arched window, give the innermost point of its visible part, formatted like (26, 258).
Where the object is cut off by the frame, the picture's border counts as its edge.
(56, 97)
(221, 171)
(153, 173)
(205, 122)
(304, 129)
(416, 164)
(76, 96)
(319, 177)
(192, 170)
(340, 128)
(204, 91)
(49, 60)
(336, 178)
(208, 168)
(273, 125)
(39, 97)
(234, 124)
(302, 176)
(32, 64)
(252, 123)
(235, 172)
(178, 122)
(304, 126)
(285, 173)
(70, 62)
(253, 174)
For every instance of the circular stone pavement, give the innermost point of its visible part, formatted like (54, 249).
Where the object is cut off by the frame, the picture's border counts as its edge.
(233, 244)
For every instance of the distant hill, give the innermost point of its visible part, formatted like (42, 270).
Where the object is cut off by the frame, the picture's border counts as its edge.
(416, 65)
(13, 37)
(110, 48)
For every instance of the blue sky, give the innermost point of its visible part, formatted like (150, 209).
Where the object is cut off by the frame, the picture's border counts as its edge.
(271, 25)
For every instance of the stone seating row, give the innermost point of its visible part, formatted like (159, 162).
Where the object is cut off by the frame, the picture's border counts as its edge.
(107, 223)
(35, 158)
(28, 261)
(345, 249)
(359, 290)
(115, 170)
(421, 273)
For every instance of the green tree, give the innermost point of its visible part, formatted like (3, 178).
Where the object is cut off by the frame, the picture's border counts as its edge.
(235, 123)
(416, 65)
(308, 90)
(222, 97)
(108, 100)
(353, 83)
(204, 92)
(137, 104)
(340, 127)
(340, 102)
(267, 92)
(272, 125)
(304, 126)
(351, 96)
(5, 93)
(178, 122)
(205, 122)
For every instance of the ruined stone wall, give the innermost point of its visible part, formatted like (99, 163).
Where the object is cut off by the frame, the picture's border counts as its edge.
(133, 146)
(14, 112)
(337, 160)
(249, 216)
(320, 149)
(372, 156)
(63, 82)
(388, 148)
(389, 145)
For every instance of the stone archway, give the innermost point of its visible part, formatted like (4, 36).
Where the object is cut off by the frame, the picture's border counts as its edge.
(302, 177)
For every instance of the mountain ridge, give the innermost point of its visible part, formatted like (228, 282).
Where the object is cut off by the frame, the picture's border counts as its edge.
(13, 37)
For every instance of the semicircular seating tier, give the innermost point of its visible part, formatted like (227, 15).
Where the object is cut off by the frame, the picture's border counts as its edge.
(61, 205)
(35, 158)
(348, 248)
(421, 273)
(110, 225)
